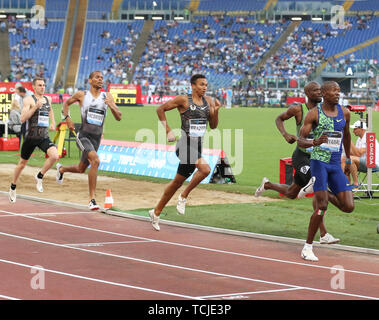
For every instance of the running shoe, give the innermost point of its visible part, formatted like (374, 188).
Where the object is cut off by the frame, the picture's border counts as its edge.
(181, 206)
(261, 188)
(12, 195)
(307, 254)
(307, 189)
(154, 220)
(328, 239)
(59, 176)
(93, 205)
(39, 185)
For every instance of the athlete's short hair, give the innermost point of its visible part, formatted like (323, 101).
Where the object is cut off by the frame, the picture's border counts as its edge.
(91, 75)
(197, 76)
(21, 89)
(327, 84)
(37, 79)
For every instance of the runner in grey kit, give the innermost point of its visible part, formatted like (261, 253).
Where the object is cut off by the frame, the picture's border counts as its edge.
(195, 110)
(39, 118)
(94, 105)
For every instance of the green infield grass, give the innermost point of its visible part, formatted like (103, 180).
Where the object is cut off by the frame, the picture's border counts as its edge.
(262, 148)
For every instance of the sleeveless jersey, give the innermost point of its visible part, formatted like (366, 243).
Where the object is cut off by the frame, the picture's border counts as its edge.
(93, 113)
(195, 118)
(333, 127)
(37, 126)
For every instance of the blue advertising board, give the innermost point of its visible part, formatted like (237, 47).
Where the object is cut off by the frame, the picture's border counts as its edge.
(159, 161)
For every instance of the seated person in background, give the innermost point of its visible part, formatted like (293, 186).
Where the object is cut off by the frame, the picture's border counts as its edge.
(358, 152)
(14, 122)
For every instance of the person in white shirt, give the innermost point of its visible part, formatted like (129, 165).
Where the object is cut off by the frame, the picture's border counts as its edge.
(358, 151)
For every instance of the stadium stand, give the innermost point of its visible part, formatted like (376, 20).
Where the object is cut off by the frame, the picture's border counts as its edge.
(56, 9)
(99, 9)
(365, 5)
(313, 42)
(34, 51)
(108, 46)
(224, 48)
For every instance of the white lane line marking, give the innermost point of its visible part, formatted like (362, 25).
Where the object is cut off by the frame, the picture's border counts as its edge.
(8, 297)
(99, 244)
(99, 280)
(203, 248)
(182, 267)
(41, 213)
(226, 295)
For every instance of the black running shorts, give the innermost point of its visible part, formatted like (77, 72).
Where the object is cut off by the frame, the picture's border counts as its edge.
(188, 150)
(30, 144)
(301, 164)
(87, 143)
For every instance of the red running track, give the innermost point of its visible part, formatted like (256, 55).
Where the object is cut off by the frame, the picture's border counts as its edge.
(55, 252)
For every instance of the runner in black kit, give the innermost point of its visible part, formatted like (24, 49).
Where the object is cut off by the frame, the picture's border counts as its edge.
(93, 106)
(300, 157)
(39, 118)
(195, 110)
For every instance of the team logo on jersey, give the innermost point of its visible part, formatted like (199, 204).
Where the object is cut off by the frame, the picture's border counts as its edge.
(192, 107)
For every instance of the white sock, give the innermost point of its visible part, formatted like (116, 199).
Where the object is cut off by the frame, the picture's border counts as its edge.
(308, 246)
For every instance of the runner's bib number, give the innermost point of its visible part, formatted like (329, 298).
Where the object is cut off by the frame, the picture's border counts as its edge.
(43, 118)
(334, 141)
(95, 116)
(197, 127)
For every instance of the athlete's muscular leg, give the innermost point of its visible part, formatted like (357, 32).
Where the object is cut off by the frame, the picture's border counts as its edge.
(320, 206)
(343, 200)
(289, 191)
(203, 170)
(17, 171)
(76, 168)
(322, 225)
(94, 161)
(169, 191)
(53, 157)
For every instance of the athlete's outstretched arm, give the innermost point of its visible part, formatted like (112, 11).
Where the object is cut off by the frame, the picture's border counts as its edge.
(178, 102)
(112, 105)
(288, 114)
(77, 97)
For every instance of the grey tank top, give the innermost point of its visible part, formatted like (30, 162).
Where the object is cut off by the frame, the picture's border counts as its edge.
(195, 118)
(93, 113)
(37, 126)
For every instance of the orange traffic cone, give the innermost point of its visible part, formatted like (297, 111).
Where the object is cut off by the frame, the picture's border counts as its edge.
(108, 203)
